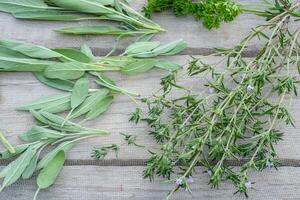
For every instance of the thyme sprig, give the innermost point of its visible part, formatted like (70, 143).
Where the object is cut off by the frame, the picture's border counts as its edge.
(235, 117)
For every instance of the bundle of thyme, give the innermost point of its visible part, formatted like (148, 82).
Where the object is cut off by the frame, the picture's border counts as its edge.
(131, 22)
(236, 116)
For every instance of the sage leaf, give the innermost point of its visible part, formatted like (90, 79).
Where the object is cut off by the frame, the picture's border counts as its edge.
(106, 82)
(64, 85)
(49, 15)
(66, 146)
(66, 71)
(90, 103)
(56, 122)
(94, 30)
(73, 54)
(86, 6)
(18, 150)
(14, 170)
(24, 5)
(79, 92)
(45, 102)
(30, 169)
(172, 48)
(166, 64)
(28, 49)
(99, 108)
(23, 64)
(139, 67)
(49, 174)
(139, 47)
(37, 133)
(87, 51)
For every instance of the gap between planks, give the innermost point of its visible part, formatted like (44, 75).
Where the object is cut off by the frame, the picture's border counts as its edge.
(143, 162)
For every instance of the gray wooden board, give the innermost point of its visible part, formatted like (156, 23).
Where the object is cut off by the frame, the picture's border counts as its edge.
(84, 182)
(122, 183)
(19, 88)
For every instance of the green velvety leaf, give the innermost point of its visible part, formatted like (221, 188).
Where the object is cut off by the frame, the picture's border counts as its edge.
(30, 169)
(14, 170)
(66, 71)
(55, 121)
(87, 51)
(171, 48)
(93, 30)
(19, 149)
(166, 64)
(66, 146)
(139, 67)
(28, 49)
(23, 64)
(49, 174)
(55, 83)
(90, 103)
(49, 15)
(45, 102)
(99, 108)
(12, 6)
(79, 92)
(6, 52)
(37, 133)
(87, 6)
(139, 47)
(73, 54)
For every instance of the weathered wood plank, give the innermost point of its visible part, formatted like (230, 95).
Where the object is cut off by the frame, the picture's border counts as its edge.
(198, 38)
(113, 183)
(18, 88)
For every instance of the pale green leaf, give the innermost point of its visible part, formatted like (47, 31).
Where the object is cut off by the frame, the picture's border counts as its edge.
(93, 30)
(99, 108)
(79, 92)
(66, 71)
(50, 172)
(28, 49)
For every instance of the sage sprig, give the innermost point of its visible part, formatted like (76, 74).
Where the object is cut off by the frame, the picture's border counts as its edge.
(52, 131)
(131, 22)
(68, 70)
(237, 114)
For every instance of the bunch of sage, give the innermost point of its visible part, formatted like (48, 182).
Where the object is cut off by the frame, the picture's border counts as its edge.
(131, 22)
(68, 69)
(237, 114)
(52, 131)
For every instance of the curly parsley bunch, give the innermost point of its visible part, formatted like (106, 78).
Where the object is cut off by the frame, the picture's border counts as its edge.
(212, 12)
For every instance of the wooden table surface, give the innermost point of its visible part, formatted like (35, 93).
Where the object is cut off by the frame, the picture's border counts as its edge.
(112, 179)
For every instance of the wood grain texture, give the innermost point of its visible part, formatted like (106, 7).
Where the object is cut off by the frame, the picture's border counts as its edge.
(126, 183)
(198, 38)
(19, 88)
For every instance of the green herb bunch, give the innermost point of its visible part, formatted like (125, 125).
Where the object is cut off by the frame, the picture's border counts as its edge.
(52, 131)
(211, 12)
(68, 70)
(131, 22)
(236, 115)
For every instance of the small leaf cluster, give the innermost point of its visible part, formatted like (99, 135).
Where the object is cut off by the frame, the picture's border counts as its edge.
(211, 12)
(235, 117)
